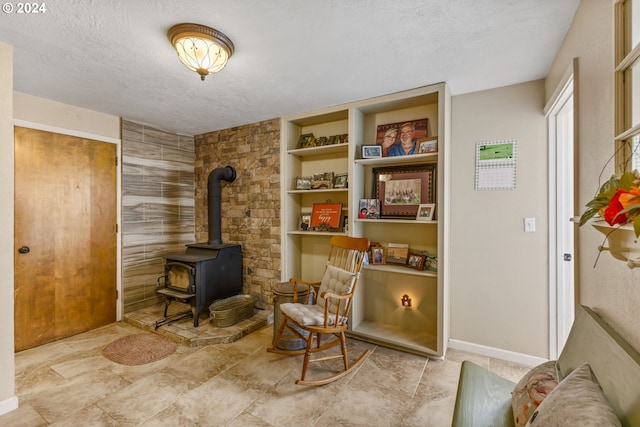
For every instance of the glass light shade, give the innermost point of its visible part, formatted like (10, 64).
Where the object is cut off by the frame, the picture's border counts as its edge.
(202, 49)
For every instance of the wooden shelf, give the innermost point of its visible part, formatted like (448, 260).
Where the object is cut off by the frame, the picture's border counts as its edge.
(395, 337)
(400, 269)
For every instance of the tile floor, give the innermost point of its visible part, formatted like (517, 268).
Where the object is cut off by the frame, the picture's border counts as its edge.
(70, 383)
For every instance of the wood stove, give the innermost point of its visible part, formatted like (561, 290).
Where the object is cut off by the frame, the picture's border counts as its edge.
(203, 274)
(206, 272)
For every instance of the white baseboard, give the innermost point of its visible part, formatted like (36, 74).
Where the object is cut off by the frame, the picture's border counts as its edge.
(511, 356)
(8, 405)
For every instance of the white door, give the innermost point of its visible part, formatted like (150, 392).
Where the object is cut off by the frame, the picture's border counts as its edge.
(561, 231)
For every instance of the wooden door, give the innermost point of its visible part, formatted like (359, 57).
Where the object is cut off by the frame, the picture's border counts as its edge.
(65, 236)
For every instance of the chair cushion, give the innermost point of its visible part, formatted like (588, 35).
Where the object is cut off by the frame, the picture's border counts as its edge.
(308, 315)
(337, 281)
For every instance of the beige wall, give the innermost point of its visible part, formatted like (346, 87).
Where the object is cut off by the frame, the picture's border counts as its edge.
(611, 288)
(8, 401)
(50, 115)
(499, 291)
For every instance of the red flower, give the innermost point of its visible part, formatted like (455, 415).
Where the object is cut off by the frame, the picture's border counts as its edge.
(614, 207)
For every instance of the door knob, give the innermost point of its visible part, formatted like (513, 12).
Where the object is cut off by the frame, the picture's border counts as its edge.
(24, 250)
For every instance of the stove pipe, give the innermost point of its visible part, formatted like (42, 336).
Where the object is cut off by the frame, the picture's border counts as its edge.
(227, 173)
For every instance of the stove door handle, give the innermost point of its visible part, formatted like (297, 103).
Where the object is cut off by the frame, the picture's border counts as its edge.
(164, 285)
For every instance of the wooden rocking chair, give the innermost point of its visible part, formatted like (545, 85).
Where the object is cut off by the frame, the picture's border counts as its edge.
(330, 309)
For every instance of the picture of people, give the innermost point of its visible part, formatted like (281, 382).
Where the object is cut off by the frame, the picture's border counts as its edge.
(403, 192)
(425, 212)
(377, 255)
(369, 209)
(400, 139)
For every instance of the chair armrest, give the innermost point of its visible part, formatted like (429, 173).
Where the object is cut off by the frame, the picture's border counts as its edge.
(311, 286)
(483, 398)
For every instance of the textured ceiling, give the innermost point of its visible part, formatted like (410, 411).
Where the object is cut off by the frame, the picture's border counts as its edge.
(291, 56)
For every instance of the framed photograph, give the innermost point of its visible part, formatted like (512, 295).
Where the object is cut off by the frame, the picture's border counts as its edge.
(401, 138)
(340, 180)
(303, 183)
(334, 139)
(306, 140)
(326, 215)
(428, 145)
(397, 253)
(369, 209)
(305, 221)
(416, 261)
(344, 138)
(377, 255)
(402, 189)
(371, 151)
(322, 180)
(425, 212)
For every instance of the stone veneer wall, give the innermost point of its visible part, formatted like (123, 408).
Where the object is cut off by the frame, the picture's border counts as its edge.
(250, 204)
(157, 207)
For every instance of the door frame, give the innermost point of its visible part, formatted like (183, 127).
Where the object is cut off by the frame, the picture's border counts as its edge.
(118, 143)
(561, 300)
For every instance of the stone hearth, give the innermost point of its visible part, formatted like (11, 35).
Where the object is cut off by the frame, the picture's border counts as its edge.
(183, 331)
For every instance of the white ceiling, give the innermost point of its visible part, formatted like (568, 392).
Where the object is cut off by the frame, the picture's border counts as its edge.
(291, 56)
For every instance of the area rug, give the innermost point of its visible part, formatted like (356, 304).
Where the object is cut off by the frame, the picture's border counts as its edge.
(139, 349)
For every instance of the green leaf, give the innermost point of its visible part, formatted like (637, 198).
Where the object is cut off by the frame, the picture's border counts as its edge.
(586, 216)
(626, 181)
(636, 226)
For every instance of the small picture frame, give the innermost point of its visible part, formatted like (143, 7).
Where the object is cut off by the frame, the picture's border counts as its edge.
(303, 183)
(378, 257)
(369, 209)
(340, 180)
(322, 181)
(416, 260)
(425, 212)
(371, 151)
(305, 221)
(427, 145)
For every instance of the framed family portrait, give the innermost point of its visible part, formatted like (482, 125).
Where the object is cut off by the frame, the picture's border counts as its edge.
(401, 138)
(425, 212)
(402, 189)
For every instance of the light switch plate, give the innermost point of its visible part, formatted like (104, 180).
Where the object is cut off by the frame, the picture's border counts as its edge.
(530, 225)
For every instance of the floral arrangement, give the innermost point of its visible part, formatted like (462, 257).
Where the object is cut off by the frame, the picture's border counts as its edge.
(618, 202)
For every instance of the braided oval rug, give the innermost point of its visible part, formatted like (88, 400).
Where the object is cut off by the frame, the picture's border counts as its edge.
(139, 349)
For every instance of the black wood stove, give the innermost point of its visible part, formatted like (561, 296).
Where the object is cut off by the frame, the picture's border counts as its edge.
(206, 272)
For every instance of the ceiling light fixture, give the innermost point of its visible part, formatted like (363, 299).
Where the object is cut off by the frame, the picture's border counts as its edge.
(202, 49)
